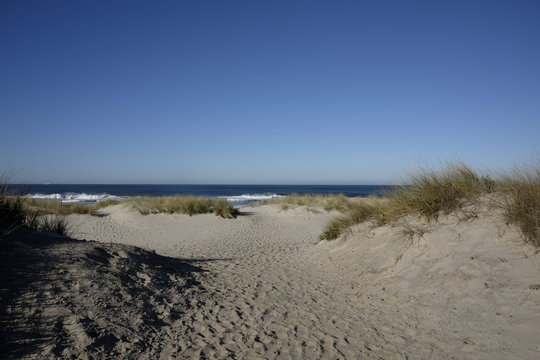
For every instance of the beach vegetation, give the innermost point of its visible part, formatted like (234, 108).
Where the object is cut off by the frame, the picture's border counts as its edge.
(48, 223)
(430, 194)
(355, 214)
(521, 201)
(327, 202)
(189, 205)
(179, 204)
(56, 207)
(224, 209)
(15, 213)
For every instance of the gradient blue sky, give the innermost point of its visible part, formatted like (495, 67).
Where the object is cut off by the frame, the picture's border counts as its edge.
(264, 91)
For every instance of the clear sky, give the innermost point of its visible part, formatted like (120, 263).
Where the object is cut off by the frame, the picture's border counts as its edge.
(264, 91)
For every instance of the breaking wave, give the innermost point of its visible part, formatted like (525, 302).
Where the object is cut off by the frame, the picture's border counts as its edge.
(76, 197)
(247, 198)
(71, 197)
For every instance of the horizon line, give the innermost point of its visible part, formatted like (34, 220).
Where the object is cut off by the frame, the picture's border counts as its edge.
(210, 184)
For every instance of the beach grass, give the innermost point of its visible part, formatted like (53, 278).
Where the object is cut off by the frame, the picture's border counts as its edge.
(355, 214)
(189, 205)
(15, 213)
(431, 194)
(56, 207)
(224, 209)
(48, 215)
(521, 201)
(48, 223)
(327, 202)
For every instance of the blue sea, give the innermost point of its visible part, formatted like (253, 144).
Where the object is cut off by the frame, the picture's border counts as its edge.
(239, 195)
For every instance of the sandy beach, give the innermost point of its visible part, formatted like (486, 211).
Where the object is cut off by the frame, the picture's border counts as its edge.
(263, 286)
(256, 180)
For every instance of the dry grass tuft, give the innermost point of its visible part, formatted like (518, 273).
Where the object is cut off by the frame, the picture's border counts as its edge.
(15, 213)
(56, 207)
(431, 194)
(48, 223)
(12, 211)
(521, 202)
(224, 209)
(327, 202)
(189, 205)
(356, 214)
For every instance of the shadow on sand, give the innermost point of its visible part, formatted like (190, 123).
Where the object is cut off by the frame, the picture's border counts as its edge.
(48, 283)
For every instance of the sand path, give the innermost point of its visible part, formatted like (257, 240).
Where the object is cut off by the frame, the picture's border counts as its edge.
(273, 291)
(266, 298)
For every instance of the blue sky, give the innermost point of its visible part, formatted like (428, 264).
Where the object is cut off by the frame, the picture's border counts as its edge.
(265, 91)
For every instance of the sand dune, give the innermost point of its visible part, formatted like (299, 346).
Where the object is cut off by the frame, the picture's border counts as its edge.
(262, 287)
(78, 299)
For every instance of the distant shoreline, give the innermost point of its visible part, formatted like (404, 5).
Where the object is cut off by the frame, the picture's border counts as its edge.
(236, 194)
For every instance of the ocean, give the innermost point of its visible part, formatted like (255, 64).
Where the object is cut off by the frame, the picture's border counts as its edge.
(239, 195)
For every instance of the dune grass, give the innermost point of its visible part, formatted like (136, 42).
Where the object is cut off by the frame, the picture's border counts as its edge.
(15, 213)
(327, 202)
(56, 207)
(189, 205)
(434, 193)
(355, 214)
(224, 209)
(47, 215)
(48, 223)
(428, 195)
(521, 201)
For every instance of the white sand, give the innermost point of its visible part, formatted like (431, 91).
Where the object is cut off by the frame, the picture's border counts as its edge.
(465, 290)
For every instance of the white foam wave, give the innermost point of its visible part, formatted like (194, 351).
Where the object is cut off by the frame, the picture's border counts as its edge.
(252, 197)
(76, 197)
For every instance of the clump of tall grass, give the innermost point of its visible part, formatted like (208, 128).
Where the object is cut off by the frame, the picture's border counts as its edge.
(55, 206)
(189, 205)
(521, 202)
(434, 193)
(15, 213)
(12, 210)
(355, 214)
(224, 209)
(48, 223)
(327, 202)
